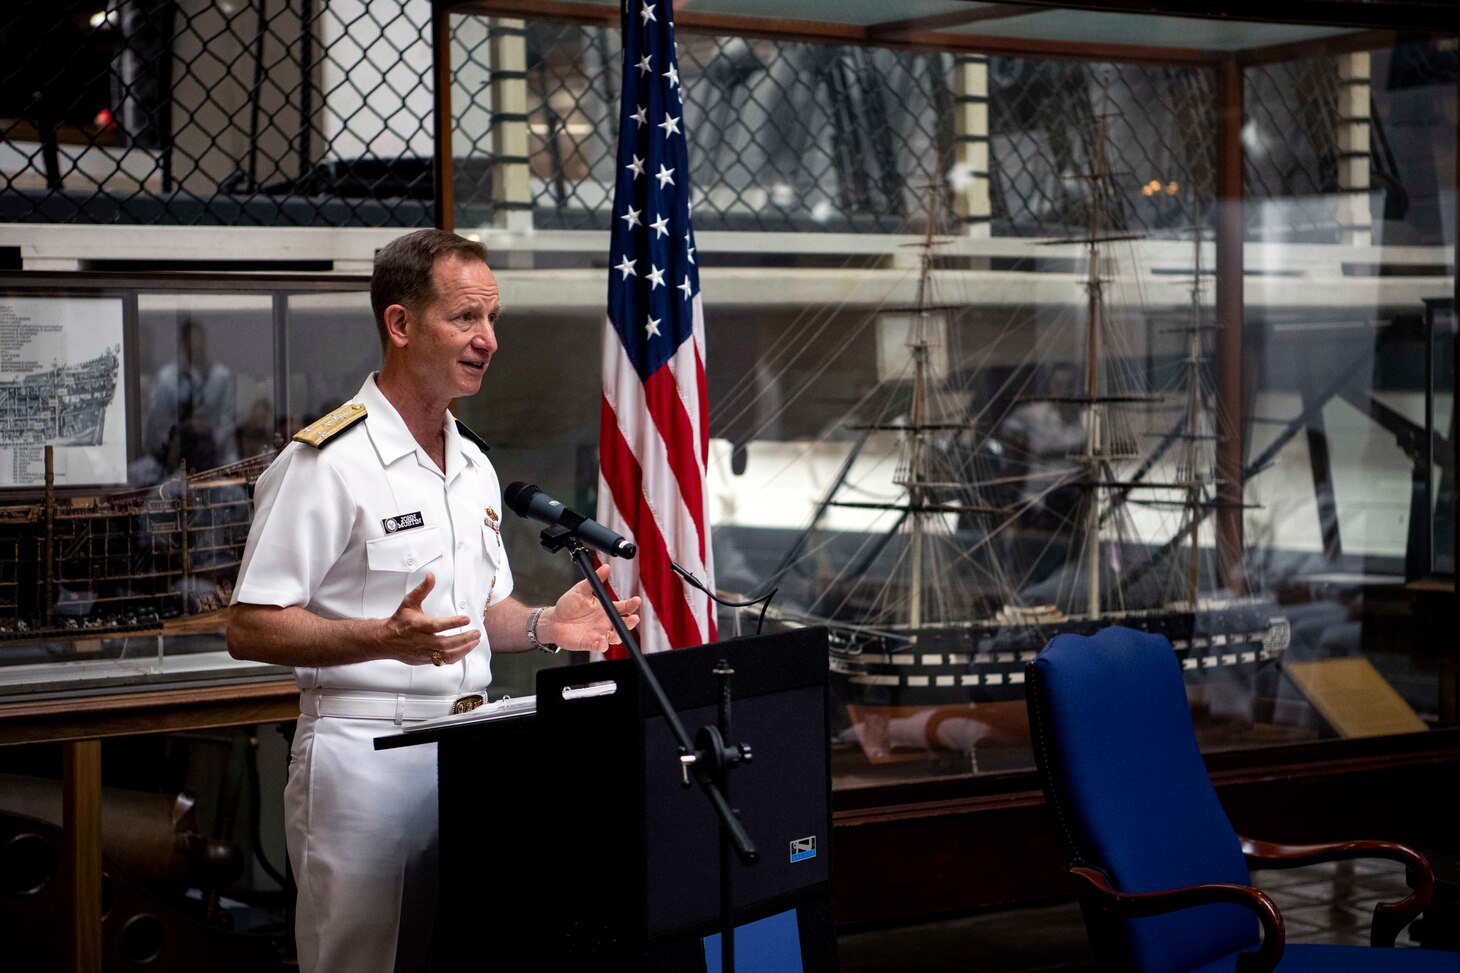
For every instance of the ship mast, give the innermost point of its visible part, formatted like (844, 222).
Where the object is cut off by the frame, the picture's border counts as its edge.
(916, 492)
(1093, 444)
(1193, 398)
(918, 464)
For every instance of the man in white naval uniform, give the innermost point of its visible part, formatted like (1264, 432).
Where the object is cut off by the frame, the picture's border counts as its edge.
(375, 568)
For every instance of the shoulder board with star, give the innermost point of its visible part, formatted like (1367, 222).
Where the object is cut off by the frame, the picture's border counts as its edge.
(321, 432)
(470, 436)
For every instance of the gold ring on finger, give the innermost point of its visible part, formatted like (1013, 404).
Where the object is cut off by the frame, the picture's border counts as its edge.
(436, 658)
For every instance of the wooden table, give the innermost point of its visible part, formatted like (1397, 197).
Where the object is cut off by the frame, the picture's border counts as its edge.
(80, 724)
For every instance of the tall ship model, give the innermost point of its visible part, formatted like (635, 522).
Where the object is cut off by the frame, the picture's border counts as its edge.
(65, 405)
(163, 557)
(1089, 504)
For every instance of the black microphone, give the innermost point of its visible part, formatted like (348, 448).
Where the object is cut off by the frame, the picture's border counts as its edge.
(527, 500)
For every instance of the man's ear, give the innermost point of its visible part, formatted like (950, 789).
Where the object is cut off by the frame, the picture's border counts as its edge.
(395, 325)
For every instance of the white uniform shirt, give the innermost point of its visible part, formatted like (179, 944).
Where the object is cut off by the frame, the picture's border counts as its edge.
(333, 532)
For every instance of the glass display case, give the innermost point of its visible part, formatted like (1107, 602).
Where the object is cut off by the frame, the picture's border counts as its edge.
(137, 416)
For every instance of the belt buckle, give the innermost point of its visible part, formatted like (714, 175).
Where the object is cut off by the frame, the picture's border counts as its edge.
(467, 703)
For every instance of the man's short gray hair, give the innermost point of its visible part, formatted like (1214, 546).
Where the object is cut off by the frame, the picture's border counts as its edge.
(405, 268)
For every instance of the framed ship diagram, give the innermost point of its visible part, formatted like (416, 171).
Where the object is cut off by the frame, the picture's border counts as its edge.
(63, 385)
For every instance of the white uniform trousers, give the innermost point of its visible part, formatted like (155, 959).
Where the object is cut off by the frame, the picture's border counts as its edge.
(361, 826)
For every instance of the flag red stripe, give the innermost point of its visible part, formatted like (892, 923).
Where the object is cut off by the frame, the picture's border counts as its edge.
(661, 393)
(703, 519)
(661, 586)
(704, 390)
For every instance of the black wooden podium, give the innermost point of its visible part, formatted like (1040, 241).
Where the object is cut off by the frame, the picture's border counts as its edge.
(569, 842)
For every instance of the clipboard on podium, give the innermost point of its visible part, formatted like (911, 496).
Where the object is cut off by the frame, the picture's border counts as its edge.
(568, 839)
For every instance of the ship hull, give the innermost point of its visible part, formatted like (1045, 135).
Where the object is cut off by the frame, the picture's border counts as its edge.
(953, 688)
(957, 688)
(983, 662)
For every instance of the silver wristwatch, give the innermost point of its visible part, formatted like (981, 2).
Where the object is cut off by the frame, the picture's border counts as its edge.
(532, 633)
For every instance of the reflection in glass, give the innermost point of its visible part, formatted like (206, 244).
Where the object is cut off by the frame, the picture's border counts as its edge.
(1441, 436)
(333, 345)
(201, 359)
(192, 415)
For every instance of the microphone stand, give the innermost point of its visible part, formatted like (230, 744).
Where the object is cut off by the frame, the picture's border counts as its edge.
(708, 756)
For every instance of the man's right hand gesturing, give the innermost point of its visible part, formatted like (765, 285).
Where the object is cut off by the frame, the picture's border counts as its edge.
(415, 638)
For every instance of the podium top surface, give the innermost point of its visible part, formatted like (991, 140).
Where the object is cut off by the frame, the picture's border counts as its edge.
(762, 664)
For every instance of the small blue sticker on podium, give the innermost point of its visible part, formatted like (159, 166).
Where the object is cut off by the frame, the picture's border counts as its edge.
(769, 945)
(803, 848)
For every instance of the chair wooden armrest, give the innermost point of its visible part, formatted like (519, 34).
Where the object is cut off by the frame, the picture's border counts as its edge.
(1389, 917)
(1093, 885)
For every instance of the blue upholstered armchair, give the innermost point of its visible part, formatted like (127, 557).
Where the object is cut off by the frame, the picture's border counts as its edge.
(1161, 876)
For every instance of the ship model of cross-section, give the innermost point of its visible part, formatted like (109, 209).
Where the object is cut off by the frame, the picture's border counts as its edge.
(163, 558)
(64, 405)
(984, 549)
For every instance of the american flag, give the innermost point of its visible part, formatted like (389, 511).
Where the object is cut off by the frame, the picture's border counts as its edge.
(654, 428)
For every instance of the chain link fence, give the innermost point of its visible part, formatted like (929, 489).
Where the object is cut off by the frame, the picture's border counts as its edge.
(233, 112)
(784, 136)
(812, 137)
(1148, 131)
(320, 112)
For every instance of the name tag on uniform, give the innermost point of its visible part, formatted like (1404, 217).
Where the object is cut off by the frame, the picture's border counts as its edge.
(402, 522)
